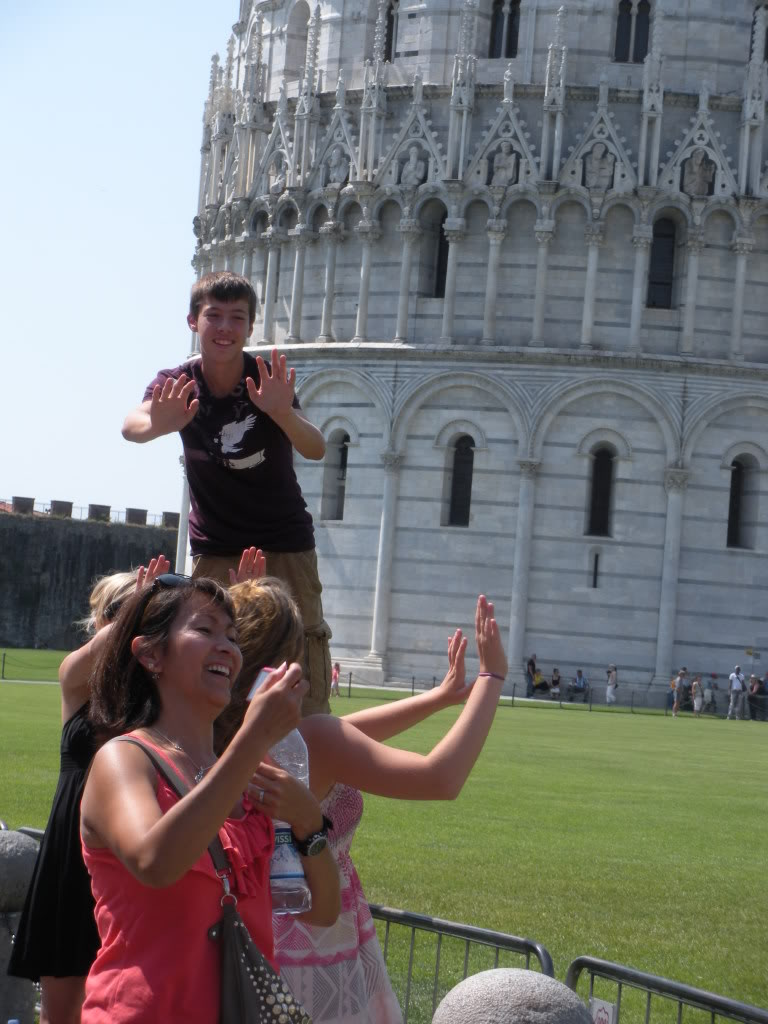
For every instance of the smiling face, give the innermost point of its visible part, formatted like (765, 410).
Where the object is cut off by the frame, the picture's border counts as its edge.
(201, 658)
(223, 329)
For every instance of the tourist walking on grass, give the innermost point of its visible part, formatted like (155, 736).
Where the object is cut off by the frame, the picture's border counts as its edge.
(612, 685)
(735, 693)
(679, 690)
(56, 940)
(338, 972)
(697, 693)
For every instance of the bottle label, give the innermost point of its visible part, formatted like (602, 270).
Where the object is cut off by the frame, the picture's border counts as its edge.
(285, 862)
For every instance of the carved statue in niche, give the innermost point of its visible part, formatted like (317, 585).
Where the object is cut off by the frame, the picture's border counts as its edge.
(599, 168)
(504, 165)
(699, 173)
(277, 176)
(414, 169)
(338, 166)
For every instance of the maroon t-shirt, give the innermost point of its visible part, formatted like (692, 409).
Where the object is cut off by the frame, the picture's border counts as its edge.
(242, 486)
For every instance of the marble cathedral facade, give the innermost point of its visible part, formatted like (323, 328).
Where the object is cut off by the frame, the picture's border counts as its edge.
(519, 255)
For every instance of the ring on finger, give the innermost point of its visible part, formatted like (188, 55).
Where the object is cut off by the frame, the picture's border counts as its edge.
(261, 796)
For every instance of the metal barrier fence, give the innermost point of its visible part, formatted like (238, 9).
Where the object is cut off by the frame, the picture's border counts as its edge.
(457, 951)
(650, 985)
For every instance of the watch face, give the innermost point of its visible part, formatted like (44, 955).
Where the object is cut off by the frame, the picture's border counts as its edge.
(317, 844)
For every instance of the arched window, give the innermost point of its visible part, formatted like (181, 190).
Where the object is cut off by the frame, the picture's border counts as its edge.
(296, 41)
(505, 28)
(390, 39)
(460, 498)
(661, 272)
(633, 31)
(335, 476)
(441, 260)
(742, 502)
(600, 493)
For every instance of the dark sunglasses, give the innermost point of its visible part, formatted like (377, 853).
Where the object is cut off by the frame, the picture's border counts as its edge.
(171, 580)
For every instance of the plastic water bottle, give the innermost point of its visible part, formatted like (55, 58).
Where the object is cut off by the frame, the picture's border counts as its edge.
(290, 892)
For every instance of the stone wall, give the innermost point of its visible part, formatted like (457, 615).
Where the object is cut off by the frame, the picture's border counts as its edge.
(48, 567)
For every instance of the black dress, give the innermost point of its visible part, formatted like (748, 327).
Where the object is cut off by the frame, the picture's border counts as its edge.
(57, 933)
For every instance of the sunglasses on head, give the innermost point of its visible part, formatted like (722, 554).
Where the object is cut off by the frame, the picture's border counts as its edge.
(170, 580)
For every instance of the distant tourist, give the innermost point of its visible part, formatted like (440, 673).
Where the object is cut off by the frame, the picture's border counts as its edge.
(530, 675)
(736, 693)
(612, 685)
(579, 686)
(679, 690)
(697, 693)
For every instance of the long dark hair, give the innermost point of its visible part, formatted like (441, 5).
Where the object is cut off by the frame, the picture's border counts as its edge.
(124, 695)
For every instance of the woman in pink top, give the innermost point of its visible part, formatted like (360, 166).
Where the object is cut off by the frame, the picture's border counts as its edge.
(165, 674)
(337, 971)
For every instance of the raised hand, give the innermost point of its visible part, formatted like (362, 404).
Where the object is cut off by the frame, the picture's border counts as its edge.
(276, 708)
(274, 395)
(171, 409)
(253, 565)
(490, 649)
(454, 689)
(146, 577)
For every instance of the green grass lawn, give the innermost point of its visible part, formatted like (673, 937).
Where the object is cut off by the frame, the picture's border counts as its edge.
(24, 663)
(635, 838)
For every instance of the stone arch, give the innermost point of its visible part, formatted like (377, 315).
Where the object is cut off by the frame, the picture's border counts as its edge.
(700, 422)
(345, 205)
(383, 196)
(745, 448)
(761, 210)
(283, 207)
(313, 205)
(258, 206)
(311, 386)
(297, 31)
(622, 200)
(574, 194)
(608, 436)
(676, 207)
(433, 193)
(522, 194)
(421, 393)
(584, 389)
(336, 422)
(448, 433)
(721, 205)
(477, 195)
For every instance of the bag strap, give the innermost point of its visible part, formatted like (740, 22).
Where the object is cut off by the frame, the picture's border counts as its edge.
(179, 785)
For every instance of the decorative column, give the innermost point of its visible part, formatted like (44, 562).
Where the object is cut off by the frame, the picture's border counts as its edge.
(301, 237)
(544, 232)
(369, 233)
(594, 239)
(454, 230)
(381, 597)
(642, 240)
(496, 234)
(330, 232)
(411, 232)
(695, 246)
(742, 247)
(273, 240)
(675, 483)
(182, 538)
(521, 568)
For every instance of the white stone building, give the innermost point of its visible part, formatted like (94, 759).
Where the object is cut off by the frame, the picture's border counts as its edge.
(526, 296)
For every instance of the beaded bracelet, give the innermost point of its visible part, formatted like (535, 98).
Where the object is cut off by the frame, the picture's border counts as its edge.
(492, 675)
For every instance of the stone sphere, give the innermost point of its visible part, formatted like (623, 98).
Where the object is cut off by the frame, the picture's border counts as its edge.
(18, 854)
(511, 996)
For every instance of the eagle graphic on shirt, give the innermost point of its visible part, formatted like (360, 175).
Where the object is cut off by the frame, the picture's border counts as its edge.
(230, 441)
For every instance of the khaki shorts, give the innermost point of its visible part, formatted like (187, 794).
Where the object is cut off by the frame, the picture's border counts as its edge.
(298, 570)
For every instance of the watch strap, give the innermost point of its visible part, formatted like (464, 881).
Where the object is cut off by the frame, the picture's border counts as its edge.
(304, 845)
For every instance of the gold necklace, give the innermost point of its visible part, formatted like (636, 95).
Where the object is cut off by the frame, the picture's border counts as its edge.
(200, 770)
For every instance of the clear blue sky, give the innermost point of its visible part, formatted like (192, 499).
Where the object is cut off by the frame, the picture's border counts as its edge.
(102, 112)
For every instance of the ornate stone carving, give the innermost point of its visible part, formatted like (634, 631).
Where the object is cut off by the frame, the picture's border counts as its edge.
(599, 167)
(528, 467)
(414, 170)
(698, 174)
(504, 165)
(391, 460)
(338, 166)
(642, 237)
(743, 246)
(278, 175)
(676, 480)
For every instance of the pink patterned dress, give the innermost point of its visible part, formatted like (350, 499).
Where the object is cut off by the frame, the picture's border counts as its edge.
(338, 973)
